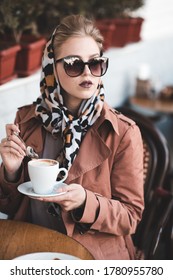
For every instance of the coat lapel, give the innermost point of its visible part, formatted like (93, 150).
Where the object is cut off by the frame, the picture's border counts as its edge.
(93, 151)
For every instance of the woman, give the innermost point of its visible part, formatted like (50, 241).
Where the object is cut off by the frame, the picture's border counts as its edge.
(101, 148)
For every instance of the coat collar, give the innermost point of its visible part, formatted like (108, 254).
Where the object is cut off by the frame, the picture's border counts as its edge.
(109, 114)
(29, 113)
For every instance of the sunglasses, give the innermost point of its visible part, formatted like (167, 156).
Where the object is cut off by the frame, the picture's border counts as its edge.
(74, 66)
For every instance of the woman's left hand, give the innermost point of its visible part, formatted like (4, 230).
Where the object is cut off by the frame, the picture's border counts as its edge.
(73, 197)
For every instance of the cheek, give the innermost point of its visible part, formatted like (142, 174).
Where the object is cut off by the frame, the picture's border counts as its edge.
(66, 82)
(96, 83)
(63, 79)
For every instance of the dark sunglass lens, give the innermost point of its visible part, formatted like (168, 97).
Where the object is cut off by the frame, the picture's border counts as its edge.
(95, 67)
(74, 68)
(98, 67)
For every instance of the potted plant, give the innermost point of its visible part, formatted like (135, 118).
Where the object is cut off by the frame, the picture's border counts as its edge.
(119, 14)
(54, 11)
(20, 23)
(114, 18)
(8, 57)
(8, 49)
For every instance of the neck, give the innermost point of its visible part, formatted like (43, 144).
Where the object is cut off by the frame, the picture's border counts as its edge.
(72, 104)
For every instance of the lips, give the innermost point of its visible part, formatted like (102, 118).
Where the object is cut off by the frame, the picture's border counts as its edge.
(86, 84)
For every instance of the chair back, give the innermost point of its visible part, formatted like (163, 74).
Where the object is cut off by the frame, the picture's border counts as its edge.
(155, 149)
(156, 163)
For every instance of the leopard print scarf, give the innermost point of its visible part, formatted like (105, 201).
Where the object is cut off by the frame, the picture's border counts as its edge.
(56, 117)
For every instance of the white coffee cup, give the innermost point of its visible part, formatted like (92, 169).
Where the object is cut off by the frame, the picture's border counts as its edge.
(43, 174)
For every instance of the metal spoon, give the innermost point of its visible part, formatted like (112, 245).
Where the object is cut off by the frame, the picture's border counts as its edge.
(29, 150)
(31, 153)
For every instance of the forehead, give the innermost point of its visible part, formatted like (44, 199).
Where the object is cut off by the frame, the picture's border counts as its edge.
(84, 46)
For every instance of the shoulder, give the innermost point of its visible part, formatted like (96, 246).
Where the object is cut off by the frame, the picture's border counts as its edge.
(122, 117)
(128, 130)
(119, 128)
(26, 108)
(26, 116)
(26, 112)
(116, 118)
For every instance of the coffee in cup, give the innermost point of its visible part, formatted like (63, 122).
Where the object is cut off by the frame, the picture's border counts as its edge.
(43, 174)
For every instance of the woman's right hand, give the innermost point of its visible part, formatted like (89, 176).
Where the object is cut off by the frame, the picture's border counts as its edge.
(12, 151)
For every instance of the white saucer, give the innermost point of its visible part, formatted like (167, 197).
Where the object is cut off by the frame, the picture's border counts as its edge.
(27, 189)
(46, 256)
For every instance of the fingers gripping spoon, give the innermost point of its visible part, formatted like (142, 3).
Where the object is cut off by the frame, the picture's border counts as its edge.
(29, 150)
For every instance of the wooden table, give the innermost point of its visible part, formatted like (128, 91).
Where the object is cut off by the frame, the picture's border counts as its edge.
(155, 105)
(19, 238)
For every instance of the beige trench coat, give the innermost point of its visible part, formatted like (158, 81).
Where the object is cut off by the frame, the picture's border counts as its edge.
(109, 165)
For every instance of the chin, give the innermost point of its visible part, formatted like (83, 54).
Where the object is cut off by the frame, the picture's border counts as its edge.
(85, 97)
(87, 94)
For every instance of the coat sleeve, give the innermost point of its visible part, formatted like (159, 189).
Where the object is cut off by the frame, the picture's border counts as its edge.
(10, 198)
(121, 214)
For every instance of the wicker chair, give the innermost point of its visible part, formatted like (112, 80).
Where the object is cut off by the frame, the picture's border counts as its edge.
(158, 199)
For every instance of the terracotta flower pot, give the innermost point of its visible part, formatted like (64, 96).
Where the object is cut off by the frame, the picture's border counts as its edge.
(29, 57)
(7, 63)
(107, 30)
(135, 31)
(127, 30)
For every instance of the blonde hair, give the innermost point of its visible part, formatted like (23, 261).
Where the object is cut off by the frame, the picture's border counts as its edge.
(76, 25)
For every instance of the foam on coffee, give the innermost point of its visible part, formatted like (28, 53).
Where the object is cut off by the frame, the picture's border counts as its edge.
(44, 163)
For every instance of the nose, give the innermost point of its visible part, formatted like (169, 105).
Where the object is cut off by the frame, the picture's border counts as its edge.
(86, 70)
